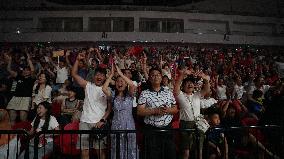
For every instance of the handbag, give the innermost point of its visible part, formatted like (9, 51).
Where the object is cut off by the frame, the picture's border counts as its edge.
(200, 121)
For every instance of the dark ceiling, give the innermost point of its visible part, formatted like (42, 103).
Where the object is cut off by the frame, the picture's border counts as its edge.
(125, 2)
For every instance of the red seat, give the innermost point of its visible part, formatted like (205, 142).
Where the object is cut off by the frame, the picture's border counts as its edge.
(56, 108)
(24, 125)
(68, 142)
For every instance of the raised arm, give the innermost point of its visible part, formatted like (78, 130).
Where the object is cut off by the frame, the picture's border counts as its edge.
(67, 59)
(99, 54)
(30, 63)
(82, 82)
(132, 87)
(178, 81)
(144, 67)
(105, 88)
(206, 87)
(9, 69)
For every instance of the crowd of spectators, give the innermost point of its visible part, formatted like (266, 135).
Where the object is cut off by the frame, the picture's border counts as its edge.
(162, 84)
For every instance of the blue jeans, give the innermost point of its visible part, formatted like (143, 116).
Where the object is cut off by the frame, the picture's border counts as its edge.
(42, 151)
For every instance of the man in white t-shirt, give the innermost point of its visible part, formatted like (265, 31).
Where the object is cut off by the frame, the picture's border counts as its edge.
(239, 89)
(95, 109)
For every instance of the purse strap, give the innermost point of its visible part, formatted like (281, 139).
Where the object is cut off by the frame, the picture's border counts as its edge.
(191, 105)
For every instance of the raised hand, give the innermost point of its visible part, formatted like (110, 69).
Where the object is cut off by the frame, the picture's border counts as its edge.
(68, 53)
(81, 56)
(189, 71)
(28, 56)
(7, 57)
(118, 70)
(204, 76)
(112, 71)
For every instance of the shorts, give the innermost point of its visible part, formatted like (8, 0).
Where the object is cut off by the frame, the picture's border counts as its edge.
(189, 138)
(86, 143)
(19, 103)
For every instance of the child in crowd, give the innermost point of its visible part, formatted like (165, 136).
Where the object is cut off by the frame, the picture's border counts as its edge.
(217, 147)
(69, 106)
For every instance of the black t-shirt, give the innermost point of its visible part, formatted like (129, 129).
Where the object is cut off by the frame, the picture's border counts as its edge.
(24, 86)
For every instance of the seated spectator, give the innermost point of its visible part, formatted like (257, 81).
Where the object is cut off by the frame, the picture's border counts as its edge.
(41, 92)
(42, 122)
(63, 92)
(70, 106)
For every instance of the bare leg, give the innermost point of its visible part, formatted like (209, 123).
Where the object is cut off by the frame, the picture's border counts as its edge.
(185, 154)
(101, 153)
(85, 154)
(23, 115)
(13, 116)
(261, 146)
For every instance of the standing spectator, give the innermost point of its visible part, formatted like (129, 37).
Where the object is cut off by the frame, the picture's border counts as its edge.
(217, 145)
(157, 105)
(21, 101)
(62, 71)
(189, 103)
(95, 108)
(239, 89)
(221, 89)
(123, 118)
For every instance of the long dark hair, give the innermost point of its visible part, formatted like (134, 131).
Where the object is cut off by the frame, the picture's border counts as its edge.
(47, 106)
(46, 83)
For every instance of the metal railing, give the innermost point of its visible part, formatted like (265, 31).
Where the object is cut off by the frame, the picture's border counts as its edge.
(18, 140)
(251, 141)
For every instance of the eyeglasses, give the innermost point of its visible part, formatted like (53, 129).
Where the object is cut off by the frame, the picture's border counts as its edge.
(155, 75)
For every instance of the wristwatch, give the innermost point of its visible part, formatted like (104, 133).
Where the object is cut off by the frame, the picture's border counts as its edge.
(103, 120)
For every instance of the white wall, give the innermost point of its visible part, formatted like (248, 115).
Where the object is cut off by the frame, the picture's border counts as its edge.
(194, 23)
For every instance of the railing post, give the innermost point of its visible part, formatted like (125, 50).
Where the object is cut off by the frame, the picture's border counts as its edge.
(36, 142)
(117, 145)
(27, 151)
